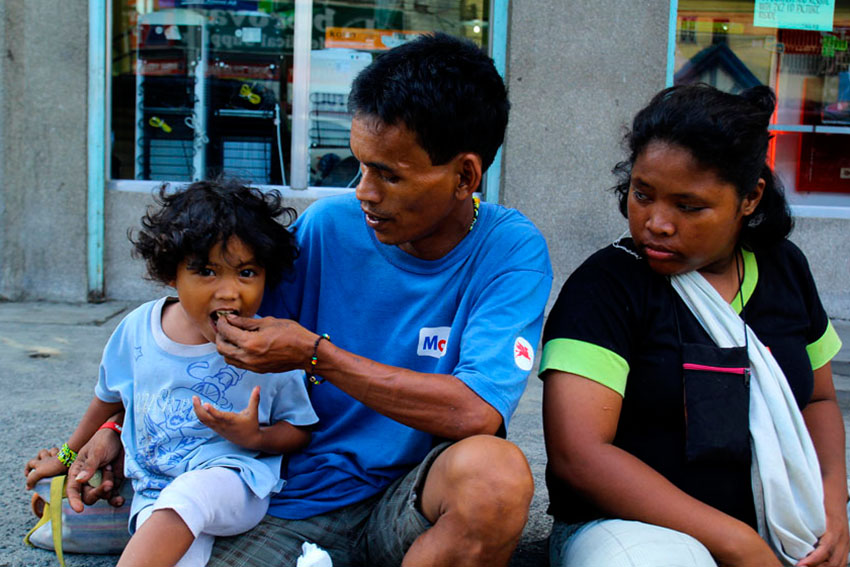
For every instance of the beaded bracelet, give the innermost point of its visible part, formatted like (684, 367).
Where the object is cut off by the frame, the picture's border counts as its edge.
(315, 359)
(66, 455)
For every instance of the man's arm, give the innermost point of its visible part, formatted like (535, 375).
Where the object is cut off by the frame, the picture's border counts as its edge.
(439, 404)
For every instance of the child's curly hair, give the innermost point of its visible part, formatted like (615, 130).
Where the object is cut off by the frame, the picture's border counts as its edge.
(187, 224)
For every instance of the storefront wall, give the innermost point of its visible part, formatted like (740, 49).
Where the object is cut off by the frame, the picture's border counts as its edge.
(43, 62)
(3, 113)
(577, 73)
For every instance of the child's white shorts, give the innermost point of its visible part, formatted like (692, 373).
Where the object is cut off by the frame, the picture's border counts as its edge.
(212, 502)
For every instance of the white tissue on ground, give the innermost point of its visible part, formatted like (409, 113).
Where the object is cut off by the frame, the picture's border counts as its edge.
(313, 556)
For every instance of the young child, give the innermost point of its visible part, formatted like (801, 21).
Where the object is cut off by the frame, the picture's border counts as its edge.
(202, 445)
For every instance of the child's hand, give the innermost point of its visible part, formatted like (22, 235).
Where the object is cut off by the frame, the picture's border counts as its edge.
(44, 465)
(242, 428)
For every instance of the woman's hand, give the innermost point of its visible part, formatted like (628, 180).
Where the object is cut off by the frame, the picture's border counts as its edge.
(833, 547)
(44, 465)
(826, 426)
(103, 451)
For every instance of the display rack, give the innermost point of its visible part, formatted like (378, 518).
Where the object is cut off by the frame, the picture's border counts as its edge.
(208, 97)
(170, 118)
(332, 72)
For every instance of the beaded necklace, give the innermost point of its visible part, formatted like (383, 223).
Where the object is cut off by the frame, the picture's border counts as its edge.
(476, 203)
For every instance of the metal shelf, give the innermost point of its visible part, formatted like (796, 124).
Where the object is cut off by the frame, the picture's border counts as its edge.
(825, 129)
(167, 110)
(245, 113)
(810, 128)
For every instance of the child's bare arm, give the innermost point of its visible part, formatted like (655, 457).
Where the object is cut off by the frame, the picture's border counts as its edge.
(49, 465)
(244, 429)
(283, 437)
(97, 413)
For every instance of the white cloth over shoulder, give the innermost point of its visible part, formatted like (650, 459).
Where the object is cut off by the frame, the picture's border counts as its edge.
(787, 484)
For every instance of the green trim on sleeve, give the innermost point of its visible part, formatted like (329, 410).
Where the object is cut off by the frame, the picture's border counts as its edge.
(586, 359)
(751, 278)
(825, 348)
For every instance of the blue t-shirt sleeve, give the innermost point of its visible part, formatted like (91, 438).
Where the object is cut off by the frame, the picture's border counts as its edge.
(102, 390)
(497, 346)
(115, 375)
(284, 300)
(291, 402)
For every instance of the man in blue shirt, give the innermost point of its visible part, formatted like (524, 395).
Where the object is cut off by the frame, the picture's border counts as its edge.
(416, 309)
(433, 303)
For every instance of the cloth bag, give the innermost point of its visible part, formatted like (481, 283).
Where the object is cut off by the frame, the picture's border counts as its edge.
(787, 483)
(98, 529)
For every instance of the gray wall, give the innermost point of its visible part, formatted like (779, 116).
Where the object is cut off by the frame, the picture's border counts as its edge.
(125, 276)
(43, 149)
(3, 112)
(577, 73)
(826, 243)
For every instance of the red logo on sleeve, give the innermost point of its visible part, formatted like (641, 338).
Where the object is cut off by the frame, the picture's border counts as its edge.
(522, 351)
(523, 354)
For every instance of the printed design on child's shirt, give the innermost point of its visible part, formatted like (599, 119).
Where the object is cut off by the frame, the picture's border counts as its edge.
(168, 429)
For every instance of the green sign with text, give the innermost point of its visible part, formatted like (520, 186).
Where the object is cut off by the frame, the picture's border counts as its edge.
(816, 15)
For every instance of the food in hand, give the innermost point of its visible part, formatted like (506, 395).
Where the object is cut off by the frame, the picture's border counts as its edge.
(96, 479)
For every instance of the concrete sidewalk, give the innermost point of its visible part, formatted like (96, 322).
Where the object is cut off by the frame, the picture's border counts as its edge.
(49, 354)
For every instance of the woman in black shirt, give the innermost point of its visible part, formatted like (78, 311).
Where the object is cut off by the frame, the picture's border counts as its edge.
(627, 480)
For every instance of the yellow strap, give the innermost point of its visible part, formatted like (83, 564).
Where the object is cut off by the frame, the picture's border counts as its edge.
(52, 514)
(57, 491)
(45, 517)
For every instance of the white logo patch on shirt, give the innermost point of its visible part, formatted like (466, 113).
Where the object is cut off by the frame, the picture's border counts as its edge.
(523, 354)
(433, 341)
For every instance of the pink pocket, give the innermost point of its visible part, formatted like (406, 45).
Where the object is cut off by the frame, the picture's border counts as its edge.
(705, 368)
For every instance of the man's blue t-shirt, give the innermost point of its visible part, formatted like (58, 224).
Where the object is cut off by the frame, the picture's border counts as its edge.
(475, 314)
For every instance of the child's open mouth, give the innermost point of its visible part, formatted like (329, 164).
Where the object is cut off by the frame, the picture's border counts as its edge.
(222, 313)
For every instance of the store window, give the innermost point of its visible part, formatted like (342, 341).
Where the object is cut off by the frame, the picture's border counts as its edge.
(205, 87)
(800, 49)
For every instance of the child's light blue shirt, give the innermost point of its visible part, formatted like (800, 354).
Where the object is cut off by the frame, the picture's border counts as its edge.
(155, 379)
